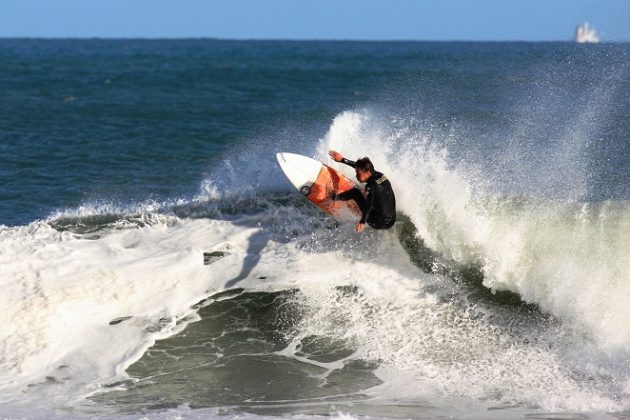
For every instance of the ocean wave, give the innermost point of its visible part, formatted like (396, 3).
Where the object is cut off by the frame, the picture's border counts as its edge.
(91, 289)
(568, 257)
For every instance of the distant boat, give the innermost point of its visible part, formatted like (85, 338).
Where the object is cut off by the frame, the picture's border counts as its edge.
(584, 34)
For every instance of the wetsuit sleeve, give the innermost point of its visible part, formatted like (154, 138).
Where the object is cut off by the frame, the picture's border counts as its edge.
(349, 162)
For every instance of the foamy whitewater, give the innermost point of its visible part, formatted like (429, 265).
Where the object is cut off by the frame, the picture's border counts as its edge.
(501, 292)
(81, 307)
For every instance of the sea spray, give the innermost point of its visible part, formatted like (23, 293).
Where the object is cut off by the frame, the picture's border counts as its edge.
(566, 257)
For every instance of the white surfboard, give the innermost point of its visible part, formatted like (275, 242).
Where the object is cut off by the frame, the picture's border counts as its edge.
(319, 183)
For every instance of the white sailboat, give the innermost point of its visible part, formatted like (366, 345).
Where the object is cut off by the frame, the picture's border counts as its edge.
(584, 34)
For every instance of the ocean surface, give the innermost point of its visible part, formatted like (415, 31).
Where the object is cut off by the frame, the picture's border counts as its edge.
(155, 262)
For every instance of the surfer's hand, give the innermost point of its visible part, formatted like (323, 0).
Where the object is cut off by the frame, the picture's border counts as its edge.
(360, 227)
(336, 156)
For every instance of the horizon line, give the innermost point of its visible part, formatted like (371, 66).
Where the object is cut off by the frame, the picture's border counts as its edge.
(210, 38)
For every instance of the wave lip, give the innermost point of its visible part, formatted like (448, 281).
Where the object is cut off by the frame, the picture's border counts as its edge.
(568, 257)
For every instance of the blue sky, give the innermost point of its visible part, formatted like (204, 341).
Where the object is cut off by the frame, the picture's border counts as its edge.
(530, 20)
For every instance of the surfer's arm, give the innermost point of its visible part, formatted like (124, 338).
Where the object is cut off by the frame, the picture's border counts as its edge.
(338, 157)
(348, 162)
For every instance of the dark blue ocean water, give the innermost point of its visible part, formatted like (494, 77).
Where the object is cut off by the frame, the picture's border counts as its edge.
(177, 273)
(128, 121)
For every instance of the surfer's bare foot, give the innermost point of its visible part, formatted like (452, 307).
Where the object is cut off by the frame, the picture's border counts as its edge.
(360, 227)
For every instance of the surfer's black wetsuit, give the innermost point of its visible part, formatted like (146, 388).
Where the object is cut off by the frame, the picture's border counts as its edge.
(379, 206)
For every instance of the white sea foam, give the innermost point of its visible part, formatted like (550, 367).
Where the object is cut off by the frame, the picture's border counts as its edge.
(78, 311)
(62, 292)
(569, 258)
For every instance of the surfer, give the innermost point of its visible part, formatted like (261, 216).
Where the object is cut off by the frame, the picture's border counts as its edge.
(378, 206)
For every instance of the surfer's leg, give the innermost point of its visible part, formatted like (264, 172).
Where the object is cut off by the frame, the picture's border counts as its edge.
(356, 195)
(381, 224)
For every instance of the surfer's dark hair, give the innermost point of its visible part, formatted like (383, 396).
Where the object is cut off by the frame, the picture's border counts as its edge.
(364, 164)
